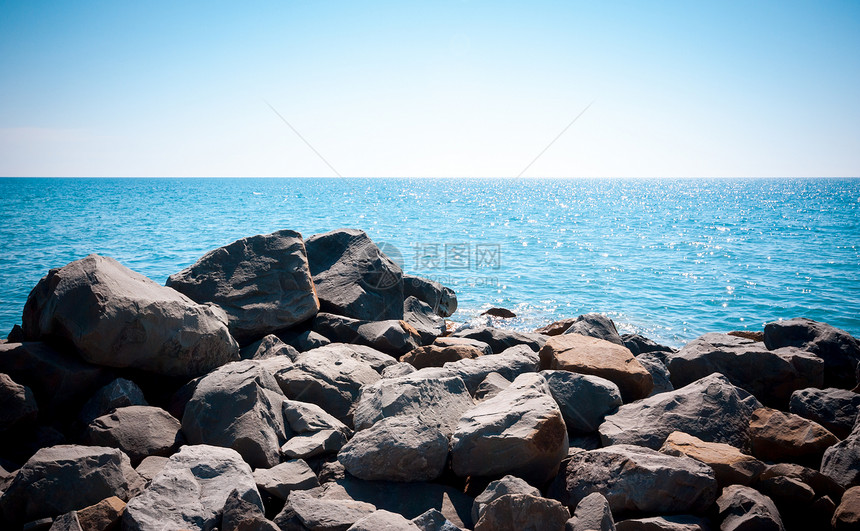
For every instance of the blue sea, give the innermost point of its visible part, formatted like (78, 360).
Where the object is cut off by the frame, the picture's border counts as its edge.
(670, 259)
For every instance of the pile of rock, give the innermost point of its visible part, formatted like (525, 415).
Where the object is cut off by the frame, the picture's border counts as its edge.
(282, 383)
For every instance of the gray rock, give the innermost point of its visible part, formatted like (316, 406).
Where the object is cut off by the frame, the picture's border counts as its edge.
(378, 361)
(584, 400)
(63, 478)
(681, 522)
(151, 466)
(67, 522)
(437, 356)
(769, 375)
(443, 300)
(398, 448)
(42, 524)
(835, 409)
(420, 316)
(649, 421)
(139, 431)
(392, 336)
(730, 465)
(437, 397)
(353, 277)
(286, 477)
(398, 369)
(523, 512)
(520, 431)
(242, 515)
(659, 372)
(501, 340)
(382, 520)
(820, 484)
(449, 341)
(268, 347)
(118, 318)
(304, 417)
(642, 345)
(321, 513)
(17, 404)
(313, 444)
(498, 488)
(592, 514)
(633, 478)
(492, 385)
(238, 406)
(596, 325)
(307, 340)
(433, 520)
(842, 460)
(836, 347)
(745, 508)
(118, 393)
(509, 364)
(191, 490)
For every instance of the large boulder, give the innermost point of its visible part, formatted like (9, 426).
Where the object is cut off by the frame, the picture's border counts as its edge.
(730, 465)
(584, 400)
(443, 300)
(523, 512)
(191, 490)
(420, 316)
(314, 511)
(636, 479)
(393, 336)
(592, 513)
(500, 339)
(778, 436)
(742, 508)
(711, 409)
(842, 460)
(519, 431)
(498, 488)
(679, 522)
(63, 478)
(268, 347)
(353, 277)
(509, 364)
(17, 404)
(659, 373)
(139, 431)
(595, 325)
(315, 432)
(598, 357)
(286, 477)
(382, 520)
(118, 318)
(263, 283)
(238, 406)
(438, 355)
(847, 515)
(769, 375)
(118, 393)
(449, 341)
(839, 350)
(835, 409)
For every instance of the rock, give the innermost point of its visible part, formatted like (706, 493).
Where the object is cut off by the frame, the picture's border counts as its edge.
(778, 436)
(584, 400)
(596, 325)
(306, 340)
(304, 417)
(383, 521)
(437, 356)
(353, 277)
(63, 478)
(398, 448)
(588, 355)
(501, 340)
(433, 520)
(42, 524)
(638, 345)
(191, 491)
(398, 369)
(509, 364)
(60, 382)
(326, 514)
(17, 404)
(118, 318)
(745, 508)
(498, 488)
(16, 335)
(394, 337)
(313, 444)
(268, 347)
(458, 341)
(842, 461)
(523, 512)
(443, 300)
(520, 431)
(659, 373)
(118, 393)
(238, 406)
(262, 283)
(103, 516)
(837, 348)
(556, 328)
(420, 316)
(769, 375)
(139, 431)
(492, 385)
(729, 464)
(785, 490)
(649, 421)
(683, 522)
(835, 409)
(748, 334)
(592, 514)
(286, 477)
(151, 466)
(377, 360)
(67, 522)
(821, 484)
(633, 478)
(847, 515)
(242, 515)
(504, 313)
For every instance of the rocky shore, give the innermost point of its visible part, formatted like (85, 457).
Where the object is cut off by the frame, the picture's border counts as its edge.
(283, 383)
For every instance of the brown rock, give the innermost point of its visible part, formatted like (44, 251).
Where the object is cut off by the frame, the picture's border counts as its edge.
(588, 355)
(847, 515)
(103, 516)
(437, 356)
(557, 328)
(517, 512)
(778, 436)
(748, 334)
(500, 312)
(730, 465)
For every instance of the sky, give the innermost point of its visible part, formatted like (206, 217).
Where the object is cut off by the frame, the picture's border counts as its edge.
(430, 89)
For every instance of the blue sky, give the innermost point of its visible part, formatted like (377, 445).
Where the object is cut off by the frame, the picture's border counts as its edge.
(450, 88)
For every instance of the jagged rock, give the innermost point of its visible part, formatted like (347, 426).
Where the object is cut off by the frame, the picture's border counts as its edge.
(769, 375)
(268, 347)
(242, 515)
(509, 364)
(659, 373)
(63, 478)
(139, 431)
(320, 513)
(589, 355)
(399, 448)
(592, 514)
(596, 325)
(382, 520)
(433, 520)
(313, 444)
(633, 478)
(286, 477)
(304, 417)
(398, 369)
(520, 431)
(118, 318)
(437, 356)
(642, 345)
(648, 422)
(457, 341)
(748, 334)
(778, 436)
(67, 522)
(501, 340)
(744, 508)
(498, 488)
(17, 404)
(443, 300)
(238, 406)
(42, 524)
(835, 409)
(847, 516)
(118, 393)
(353, 277)
(103, 516)
(437, 397)
(420, 316)
(151, 466)
(556, 328)
(492, 385)
(821, 484)
(842, 460)
(523, 512)
(584, 400)
(729, 464)
(375, 359)
(191, 491)
(683, 522)
(306, 340)
(837, 348)
(392, 336)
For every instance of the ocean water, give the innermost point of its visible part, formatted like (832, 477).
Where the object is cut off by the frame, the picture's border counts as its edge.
(671, 259)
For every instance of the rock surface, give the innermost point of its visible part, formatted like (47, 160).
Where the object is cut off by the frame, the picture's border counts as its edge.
(682, 522)
(743, 508)
(498, 488)
(584, 400)
(17, 404)
(448, 341)
(596, 325)
(592, 513)
(847, 515)
(659, 373)
(835, 409)
(139, 431)
(268, 347)
(321, 513)
(523, 512)
(437, 356)
(119, 393)
(778, 436)
(394, 336)
(443, 300)
(420, 316)
(509, 364)
(103, 516)
(500, 340)
(729, 464)
(382, 520)
(842, 461)
(286, 477)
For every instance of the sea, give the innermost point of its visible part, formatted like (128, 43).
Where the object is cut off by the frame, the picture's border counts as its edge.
(670, 259)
